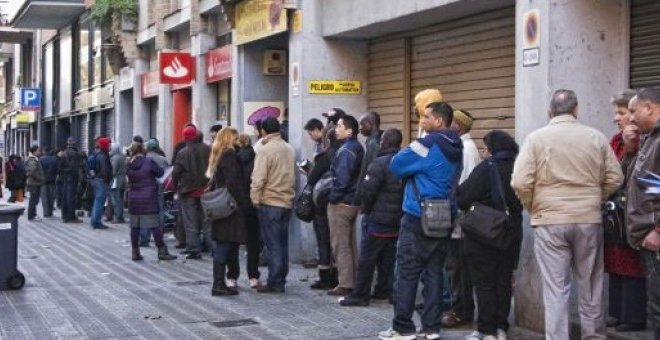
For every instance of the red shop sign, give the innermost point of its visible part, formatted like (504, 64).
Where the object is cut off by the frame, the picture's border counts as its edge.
(218, 64)
(176, 67)
(149, 82)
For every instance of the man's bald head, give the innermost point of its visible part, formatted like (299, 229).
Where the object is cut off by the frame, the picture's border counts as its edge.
(645, 109)
(563, 102)
(369, 123)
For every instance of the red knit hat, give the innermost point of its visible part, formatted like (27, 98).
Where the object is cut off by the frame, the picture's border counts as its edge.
(104, 144)
(189, 133)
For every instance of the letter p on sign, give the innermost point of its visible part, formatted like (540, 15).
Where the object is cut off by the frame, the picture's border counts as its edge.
(30, 99)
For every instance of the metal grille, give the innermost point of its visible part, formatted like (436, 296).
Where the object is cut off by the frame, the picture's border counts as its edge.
(645, 44)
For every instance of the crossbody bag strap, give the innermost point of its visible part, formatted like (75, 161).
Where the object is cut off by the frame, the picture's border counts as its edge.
(496, 185)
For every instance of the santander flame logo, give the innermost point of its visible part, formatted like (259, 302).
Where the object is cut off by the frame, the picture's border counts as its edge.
(175, 69)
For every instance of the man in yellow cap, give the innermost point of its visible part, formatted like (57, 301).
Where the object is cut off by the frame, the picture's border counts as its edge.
(462, 308)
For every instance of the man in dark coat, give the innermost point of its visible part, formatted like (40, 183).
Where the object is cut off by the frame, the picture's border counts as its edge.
(69, 172)
(100, 174)
(190, 180)
(35, 179)
(49, 164)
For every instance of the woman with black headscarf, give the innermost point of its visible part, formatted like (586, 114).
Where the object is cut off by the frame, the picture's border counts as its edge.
(492, 268)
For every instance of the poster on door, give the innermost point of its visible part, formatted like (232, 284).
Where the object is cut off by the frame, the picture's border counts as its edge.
(256, 111)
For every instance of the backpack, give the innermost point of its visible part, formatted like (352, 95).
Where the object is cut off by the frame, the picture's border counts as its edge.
(92, 165)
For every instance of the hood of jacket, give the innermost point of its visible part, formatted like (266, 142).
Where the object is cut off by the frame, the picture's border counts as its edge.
(448, 141)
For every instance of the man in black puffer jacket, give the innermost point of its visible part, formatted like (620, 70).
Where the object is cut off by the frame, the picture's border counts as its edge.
(382, 197)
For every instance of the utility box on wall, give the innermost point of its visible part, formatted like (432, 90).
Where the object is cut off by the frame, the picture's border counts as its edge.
(275, 62)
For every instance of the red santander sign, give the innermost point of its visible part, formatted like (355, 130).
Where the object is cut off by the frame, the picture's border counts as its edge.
(218, 64)
(176, 67)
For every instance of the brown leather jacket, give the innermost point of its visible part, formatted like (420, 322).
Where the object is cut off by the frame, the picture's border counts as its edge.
(643, 210)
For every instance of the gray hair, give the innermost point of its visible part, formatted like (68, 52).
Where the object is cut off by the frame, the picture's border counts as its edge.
(563, 102)
(622, 98)
(649, 94)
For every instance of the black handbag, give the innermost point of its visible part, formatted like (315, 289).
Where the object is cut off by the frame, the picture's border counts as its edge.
(303, 205)
(487, 225)
(614, 214)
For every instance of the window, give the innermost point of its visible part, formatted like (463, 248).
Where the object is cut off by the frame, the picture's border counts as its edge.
(96, 62)
(84, 58)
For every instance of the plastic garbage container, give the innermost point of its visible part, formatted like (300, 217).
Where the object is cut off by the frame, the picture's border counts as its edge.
(10, 277)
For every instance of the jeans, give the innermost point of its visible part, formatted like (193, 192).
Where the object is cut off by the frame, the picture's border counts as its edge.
(652, 265)
(35, 192)
(379, 251)
(100, 195)
(48, 198)
(222, 251)
(69, 199)
(253, 250)
(117, 197)
(274, 223)
(418, 257)
(194, 224)
(322, 233)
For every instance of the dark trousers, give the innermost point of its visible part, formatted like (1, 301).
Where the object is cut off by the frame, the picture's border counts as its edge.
(253, 250)
(69, 199)
(222, 251)
(418, 258)
(375, 251)
(460, 282)
(274, 223)
(179, 229)
(35, 193)
(652, 265)
(48, 193)
(195, 224)
(322, 233)
(627, 296)
(492, 272)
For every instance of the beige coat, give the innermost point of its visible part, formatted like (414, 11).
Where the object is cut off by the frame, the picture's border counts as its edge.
(564, 171)
(273, 177)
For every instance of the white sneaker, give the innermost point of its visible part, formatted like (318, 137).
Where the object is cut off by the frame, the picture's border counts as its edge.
(432, 336)
(255, 283)
(391, 334)
(476, 335)
(501, 334)
(231, 283)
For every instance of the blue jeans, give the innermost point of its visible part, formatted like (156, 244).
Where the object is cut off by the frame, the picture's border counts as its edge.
(223, 251)
(100, 195)
(117, 197)
(418, 257)
(274, 223)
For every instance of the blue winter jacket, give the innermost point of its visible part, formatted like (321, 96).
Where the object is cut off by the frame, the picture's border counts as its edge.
(435, 163)
(50, 164)
(345, 171)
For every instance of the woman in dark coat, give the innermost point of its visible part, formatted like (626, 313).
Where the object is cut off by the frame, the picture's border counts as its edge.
(143, 205)
(10, 178)
(225, 171)
(492, 268)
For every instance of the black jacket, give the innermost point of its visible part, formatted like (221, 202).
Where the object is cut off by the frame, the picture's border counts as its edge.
(477, 188)
(189, 172)
(382, 192)
(229, 174)
(345, 170)
(50, 165)
(70, 162)
(246, 157)
(105, 167)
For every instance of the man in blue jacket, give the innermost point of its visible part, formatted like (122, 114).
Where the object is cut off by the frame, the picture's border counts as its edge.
(433, 164)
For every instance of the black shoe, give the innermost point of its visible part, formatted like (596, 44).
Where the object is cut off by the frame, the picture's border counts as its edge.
(136, 255)
(270, 290)
(164, 255)
(630, 327)
(100, 226)
(324, 280)
(333, 277)
(219, 286)
(350, 301)
(194, 256)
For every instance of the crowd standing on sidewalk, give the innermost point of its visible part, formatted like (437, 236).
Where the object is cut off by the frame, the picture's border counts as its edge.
(430, 209)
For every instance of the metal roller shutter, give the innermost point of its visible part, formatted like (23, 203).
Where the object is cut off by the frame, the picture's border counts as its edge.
(387, 88)
(472, 62)
(645, 44)
(108, 124)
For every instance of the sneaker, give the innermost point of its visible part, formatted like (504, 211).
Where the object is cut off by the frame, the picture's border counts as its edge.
(431, 336)
(255, 283)
(476, 335)
(340, 291)
(194, 256)
(270, 290)
(231, 283)
(349, 301)
(501, 334)
(391, 334)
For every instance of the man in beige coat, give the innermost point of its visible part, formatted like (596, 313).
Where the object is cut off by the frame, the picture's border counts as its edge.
(562, 175)
(272, 191)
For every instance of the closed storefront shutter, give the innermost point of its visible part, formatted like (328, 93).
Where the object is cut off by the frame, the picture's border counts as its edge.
(645, 44)
(108, 124)
(470, 60)
(387, 63)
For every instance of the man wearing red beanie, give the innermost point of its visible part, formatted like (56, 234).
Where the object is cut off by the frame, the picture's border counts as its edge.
(99, 170)
(189, 176)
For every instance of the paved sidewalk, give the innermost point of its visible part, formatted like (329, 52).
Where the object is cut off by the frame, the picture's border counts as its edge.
(81, 284)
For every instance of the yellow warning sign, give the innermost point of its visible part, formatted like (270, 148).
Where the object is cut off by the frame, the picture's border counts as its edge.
(335, 87)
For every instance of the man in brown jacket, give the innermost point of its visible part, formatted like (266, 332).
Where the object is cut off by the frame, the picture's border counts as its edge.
(642, 215)
(563, 173)
(272, 191)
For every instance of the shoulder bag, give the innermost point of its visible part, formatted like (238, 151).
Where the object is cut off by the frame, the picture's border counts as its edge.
(436, 215)
(218, 203)
(485, 224)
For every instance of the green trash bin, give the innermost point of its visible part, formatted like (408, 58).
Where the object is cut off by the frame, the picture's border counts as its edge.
(10, 277)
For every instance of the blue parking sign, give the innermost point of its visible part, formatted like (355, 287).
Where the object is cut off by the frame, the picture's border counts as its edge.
(30, 99)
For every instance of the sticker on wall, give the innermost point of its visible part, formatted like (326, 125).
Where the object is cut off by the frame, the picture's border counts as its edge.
(256, 111)
(297, 21)
(335, 87)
